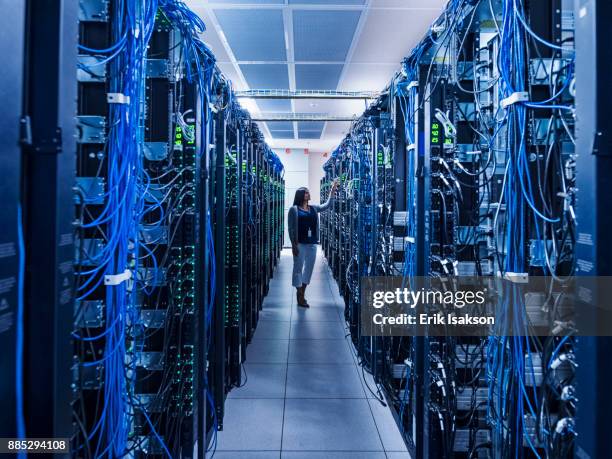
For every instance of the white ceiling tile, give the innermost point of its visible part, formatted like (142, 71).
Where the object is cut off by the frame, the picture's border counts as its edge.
(337, 129)
(390, 31)
(408, 3)
(231, 74)
(211, 35)
(373, 77)
(330, 107)
(389, 35)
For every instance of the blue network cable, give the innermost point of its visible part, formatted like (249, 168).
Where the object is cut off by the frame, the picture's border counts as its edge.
(20, 418)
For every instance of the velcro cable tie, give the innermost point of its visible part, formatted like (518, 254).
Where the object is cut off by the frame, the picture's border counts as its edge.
(116, 279)
(413, 84)
(517, 278)
(410, 147)
(117, 98)
(515, 98)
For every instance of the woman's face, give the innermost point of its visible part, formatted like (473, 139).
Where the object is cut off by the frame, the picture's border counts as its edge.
(306, 196)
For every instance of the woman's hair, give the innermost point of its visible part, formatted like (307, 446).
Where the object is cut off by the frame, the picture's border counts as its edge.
(299, 196)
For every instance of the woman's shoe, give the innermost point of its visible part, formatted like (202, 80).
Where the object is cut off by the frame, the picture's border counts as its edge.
(304, 296)
(301, 301)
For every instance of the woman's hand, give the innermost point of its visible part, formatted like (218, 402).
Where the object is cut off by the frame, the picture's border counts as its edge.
(335, 185)
(295, 250)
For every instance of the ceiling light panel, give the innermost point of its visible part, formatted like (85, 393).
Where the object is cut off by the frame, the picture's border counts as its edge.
(323, 35)
(254, 34)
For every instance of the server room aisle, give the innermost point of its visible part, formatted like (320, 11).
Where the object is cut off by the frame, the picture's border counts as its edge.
(305, 397)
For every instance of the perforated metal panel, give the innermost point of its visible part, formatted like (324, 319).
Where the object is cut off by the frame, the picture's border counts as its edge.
(311, 125)
(310, 130)
(249, 2)
(280, 125)
(323, 35)
(309, 135)
(266, 76)
(254, 34)
(282, 134)
(317, 76)
(327, 2)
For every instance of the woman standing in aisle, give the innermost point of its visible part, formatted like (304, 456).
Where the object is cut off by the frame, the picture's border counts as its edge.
(303, 225)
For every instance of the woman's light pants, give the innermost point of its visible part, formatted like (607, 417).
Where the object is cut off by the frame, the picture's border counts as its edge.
(303, 264)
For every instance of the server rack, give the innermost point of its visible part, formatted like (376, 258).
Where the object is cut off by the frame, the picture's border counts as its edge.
(447, 202)
(159, 249)
(47, 175)
(247, 224)
(11, 134)
(593, 168)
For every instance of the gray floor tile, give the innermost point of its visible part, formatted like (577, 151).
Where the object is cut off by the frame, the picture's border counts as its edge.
(271, 329)
(367, 378)
(263, 380)
(319, 351)
(387, 427)
(280, 314)
(332, 455)
(329, 425)
(323, 381)
(395, 455)
(317, 330)
(247, 455)
(277, 307)
(284, 298)
(320, 301)
(315, 315)
(243, 429)
(267, 351)
(327, 415)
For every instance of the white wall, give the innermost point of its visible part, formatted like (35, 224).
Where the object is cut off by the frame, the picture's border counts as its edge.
(300, 170)
(315, 173)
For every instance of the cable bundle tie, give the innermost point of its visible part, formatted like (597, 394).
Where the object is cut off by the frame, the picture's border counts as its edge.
(116, 279)
(117, 98)
(515, 98)
(411, 147)
(517, 278)
(449, 128)
(412, 84)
